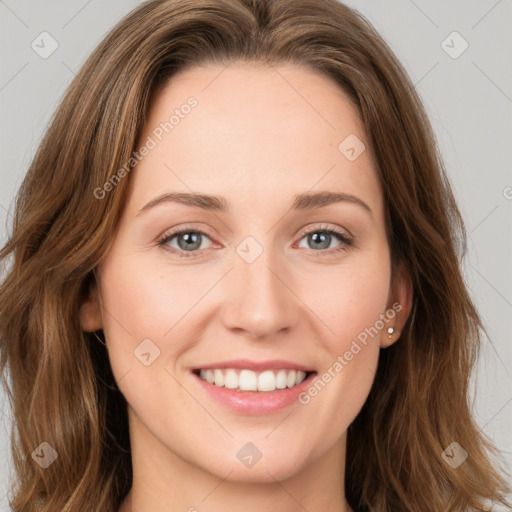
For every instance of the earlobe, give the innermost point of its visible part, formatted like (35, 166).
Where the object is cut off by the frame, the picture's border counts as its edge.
(90, 312)
(400, 302)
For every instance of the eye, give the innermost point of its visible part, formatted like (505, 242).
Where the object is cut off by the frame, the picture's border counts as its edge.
(321, 238)
(183, 241)
(188, 241)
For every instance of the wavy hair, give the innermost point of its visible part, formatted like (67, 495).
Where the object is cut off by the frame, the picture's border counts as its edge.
(62, 389)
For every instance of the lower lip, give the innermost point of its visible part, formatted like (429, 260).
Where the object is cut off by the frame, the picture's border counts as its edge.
(255, 402)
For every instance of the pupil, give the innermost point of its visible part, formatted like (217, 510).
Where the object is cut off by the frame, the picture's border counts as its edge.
(316, 236)
(191, 241)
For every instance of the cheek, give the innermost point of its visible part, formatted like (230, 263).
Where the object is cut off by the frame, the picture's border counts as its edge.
(352, 307)
(147, 302)
(361, 300)
(351, 302)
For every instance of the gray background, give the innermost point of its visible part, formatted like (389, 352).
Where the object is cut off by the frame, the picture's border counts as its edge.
(468, 98)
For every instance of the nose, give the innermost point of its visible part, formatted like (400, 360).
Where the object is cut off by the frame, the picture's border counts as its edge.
(259, 298)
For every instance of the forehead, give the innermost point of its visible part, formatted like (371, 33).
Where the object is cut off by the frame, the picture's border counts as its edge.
(255, 129)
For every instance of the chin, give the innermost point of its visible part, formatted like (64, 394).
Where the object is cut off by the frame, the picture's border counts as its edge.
(265, 464)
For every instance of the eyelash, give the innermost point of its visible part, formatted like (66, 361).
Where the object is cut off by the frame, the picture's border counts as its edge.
(346, 240)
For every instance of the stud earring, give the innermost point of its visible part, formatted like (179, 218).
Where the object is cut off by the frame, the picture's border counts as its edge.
(391, 330)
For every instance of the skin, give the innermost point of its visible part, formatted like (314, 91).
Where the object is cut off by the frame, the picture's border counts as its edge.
(259, 135)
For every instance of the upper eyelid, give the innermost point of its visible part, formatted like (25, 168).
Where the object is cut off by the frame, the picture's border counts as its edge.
(184, 229)
(171, 233)
(323, 227)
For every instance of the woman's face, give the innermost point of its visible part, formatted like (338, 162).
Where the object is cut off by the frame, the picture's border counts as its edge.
(257, 289)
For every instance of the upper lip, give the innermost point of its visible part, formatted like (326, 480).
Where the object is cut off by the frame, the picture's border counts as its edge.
(256, 366)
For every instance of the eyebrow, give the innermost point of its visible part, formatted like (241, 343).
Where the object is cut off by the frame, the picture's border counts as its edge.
(304, 201)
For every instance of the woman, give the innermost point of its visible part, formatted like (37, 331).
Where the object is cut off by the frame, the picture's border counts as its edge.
(177, 340)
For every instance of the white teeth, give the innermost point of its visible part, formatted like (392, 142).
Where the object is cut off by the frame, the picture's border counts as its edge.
(290, 379)
(267, 381)
(281, 379)
(247, 380)
(219, 378)
(230, 379)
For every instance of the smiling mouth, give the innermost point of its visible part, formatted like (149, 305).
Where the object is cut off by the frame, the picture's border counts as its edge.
(247, 380)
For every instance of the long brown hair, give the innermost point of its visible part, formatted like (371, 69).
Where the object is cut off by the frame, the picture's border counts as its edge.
(62, 390)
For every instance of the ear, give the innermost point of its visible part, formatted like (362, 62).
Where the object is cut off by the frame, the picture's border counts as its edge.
(399, 306)
(90, 310)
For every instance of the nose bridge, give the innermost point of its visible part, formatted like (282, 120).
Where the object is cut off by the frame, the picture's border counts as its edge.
(258, 298)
